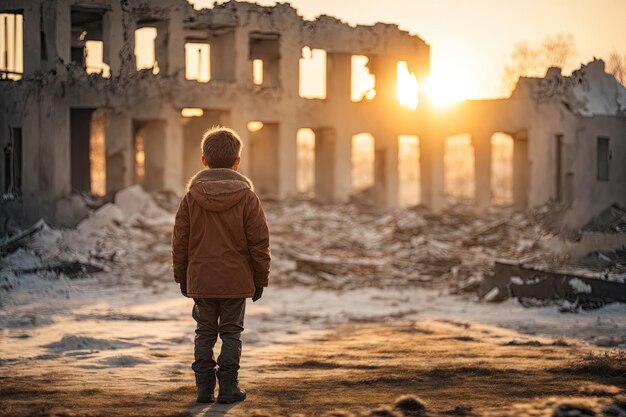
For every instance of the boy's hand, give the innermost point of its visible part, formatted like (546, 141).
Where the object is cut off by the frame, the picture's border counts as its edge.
(183, 288)
(258, 293)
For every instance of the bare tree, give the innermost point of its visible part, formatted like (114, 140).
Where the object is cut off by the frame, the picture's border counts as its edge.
(616, 66)
(533, 61)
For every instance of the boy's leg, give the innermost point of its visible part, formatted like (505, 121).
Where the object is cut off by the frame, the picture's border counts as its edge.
(232, 313)
(205, 313)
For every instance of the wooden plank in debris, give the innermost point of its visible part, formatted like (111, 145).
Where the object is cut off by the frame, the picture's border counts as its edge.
(514, 279)
(335, 265)
(21, 239)
(70, 268)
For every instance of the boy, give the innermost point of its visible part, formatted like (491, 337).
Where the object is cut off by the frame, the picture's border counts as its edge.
(221, 256)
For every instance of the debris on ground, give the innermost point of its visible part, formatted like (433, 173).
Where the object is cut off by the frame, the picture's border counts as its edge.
(610, 220)
(333, 246)
(128, 239)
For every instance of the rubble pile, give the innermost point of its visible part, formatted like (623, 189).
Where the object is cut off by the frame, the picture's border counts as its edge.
(344, 246)
(338, 247)
(126, 242)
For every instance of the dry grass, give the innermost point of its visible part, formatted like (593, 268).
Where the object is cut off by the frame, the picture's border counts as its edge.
(455, 370)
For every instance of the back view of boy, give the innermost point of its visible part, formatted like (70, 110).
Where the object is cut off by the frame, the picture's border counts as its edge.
(221, 256)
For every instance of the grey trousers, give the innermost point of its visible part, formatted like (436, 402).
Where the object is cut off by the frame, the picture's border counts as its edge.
(223, 317)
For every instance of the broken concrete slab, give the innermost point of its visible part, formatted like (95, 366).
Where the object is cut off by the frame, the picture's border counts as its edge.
(522, 280)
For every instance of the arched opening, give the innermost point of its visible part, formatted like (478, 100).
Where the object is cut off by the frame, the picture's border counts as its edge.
(313, 73)
(459, 182)
(409, 171)
(363, 82)
(363, 159)
(305, 177)
(501, 169)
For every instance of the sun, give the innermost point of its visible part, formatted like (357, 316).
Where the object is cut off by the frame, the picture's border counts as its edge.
(407, 87)
(444, 88)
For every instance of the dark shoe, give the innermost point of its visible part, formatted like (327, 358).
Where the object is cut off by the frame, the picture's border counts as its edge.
(229, 388)
(206, 387)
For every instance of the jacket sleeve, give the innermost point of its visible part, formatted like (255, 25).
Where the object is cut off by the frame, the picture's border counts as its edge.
(180, 242)
(258, 237)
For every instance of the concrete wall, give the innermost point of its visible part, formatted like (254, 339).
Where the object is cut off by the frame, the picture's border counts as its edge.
(40, 104)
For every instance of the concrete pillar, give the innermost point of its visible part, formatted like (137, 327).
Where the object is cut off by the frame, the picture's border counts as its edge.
(62, 31)
(343, 165)
(31, 38)
(120, 151)
(265, 167)
(31, 136)
(287, 158)
(325, 155)
(118, 33)
(423, 72)
(49, 46)
(161, 52)
(338, 79)
(339, 67)
(385, 69)
(223, 57)
(520, 171)
(481, 142)
(173, 179)
(243, 64)
(157, 144)
(432, 150)
(54, 146)
(386, 175)
(176, 45)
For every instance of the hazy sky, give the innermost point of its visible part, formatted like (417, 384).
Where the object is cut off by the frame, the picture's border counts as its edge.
(472, 39)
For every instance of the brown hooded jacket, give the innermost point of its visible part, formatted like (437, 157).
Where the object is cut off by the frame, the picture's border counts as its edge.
(220, 242)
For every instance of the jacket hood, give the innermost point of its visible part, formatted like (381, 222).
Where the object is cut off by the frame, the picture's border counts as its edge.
(218, 189)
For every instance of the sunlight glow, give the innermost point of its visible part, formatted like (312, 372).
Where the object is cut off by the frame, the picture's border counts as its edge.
(255, 126)
(197, 62)
(444, 89)
(191, 112)
(313, 73)
(145, 49)
(407, 89)
(363, 82)
(257, 71)
(94, 60)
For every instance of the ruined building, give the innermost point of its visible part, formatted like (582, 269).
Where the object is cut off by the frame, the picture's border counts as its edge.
(97, 95)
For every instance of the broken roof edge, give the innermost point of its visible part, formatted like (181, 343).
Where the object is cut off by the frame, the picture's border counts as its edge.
(588, 91)
(237, 6)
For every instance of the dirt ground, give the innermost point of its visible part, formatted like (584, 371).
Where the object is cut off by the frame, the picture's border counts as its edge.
(455, 367)
(399, 319)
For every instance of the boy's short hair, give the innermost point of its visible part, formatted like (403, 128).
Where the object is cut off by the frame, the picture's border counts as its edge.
(221, 146)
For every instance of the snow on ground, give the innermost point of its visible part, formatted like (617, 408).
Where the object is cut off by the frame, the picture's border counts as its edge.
(128, 322)
(399, 265)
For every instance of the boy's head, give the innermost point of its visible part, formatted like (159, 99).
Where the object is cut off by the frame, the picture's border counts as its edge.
(221, 148)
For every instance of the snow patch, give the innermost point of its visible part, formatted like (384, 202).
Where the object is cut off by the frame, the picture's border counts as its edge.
(124, 361)
(70, 343)
(492, 294)
(579, 286)
(517, 280)
(135, 203)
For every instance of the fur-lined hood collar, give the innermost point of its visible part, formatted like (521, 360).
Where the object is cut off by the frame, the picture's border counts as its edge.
(218, 189)
(220, 181)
